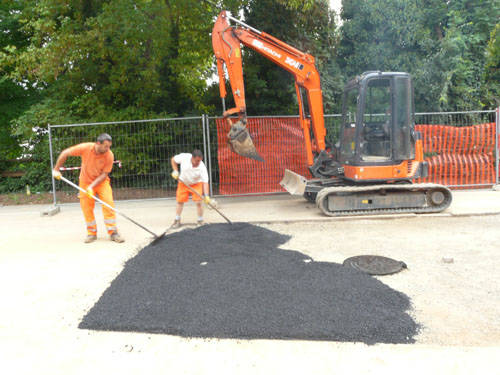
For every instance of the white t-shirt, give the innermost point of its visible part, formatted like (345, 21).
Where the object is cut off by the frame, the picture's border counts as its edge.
(189, 174)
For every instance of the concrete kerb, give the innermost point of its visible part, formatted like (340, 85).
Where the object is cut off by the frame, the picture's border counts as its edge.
(476, 214)
(286, 197)
(56, 209)
(371, 217)
(332, 219)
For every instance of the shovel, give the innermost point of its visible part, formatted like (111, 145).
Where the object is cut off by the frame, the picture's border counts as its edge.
(156, 237)
(208, 204)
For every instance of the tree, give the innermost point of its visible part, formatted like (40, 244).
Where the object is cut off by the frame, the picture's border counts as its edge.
(15, 97)
(442, 44)
(492, 69)
(269, 88)
(104, 60)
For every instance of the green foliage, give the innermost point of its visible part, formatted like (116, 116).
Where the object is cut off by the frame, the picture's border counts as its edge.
(491, 91)
(269, 88)
(14, 97)
(68, 61)
(112, 56)
(441, 44)
(101, 60)
(36, 167)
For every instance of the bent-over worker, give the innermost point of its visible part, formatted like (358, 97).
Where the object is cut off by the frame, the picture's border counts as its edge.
(97, 162)
(194, 174)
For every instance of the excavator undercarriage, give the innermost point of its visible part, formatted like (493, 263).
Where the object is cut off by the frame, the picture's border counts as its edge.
(335, 197)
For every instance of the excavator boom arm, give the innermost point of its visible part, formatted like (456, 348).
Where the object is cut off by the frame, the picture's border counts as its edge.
(226, 41)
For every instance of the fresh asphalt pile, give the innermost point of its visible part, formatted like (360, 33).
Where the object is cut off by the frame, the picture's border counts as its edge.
(232, 281)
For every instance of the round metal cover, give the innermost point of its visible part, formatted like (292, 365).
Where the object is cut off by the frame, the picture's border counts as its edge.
(374, 264)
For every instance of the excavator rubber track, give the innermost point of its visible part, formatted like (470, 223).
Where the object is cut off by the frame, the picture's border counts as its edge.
(383, 199)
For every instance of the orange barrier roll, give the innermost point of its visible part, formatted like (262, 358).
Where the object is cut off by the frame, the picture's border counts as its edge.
(461, 169)
(456, 155)
(455, 139)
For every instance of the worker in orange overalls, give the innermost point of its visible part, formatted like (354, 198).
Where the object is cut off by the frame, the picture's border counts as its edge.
(194, 173)
(97, 162)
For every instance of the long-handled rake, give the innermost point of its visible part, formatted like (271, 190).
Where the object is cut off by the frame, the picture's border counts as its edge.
(208, 204)
(156, 237)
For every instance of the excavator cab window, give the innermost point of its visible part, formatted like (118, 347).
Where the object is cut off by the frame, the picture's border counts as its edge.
(348, 131)
(377, 124)
(404, 134)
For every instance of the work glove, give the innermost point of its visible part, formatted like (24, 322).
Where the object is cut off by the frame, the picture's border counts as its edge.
(213, 204)
(56, 174)
(90, 192)
(175, 175)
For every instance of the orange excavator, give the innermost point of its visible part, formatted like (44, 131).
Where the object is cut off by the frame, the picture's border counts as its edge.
(379, 155)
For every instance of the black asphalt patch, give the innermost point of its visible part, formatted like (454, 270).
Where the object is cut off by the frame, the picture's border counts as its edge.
(232, 281)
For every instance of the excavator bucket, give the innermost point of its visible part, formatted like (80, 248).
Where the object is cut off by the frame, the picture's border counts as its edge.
(294, 183)
(241, 142)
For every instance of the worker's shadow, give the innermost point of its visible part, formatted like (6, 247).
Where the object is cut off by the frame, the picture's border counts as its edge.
(234, 282)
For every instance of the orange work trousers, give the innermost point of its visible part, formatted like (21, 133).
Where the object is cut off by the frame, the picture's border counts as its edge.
(103, 192)
(183, 193)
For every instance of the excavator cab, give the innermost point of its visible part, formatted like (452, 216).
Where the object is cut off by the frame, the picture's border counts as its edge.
(378, 122)
(378, 141)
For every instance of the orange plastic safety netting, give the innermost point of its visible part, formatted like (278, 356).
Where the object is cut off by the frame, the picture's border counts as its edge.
(280, 142)
(457, 156)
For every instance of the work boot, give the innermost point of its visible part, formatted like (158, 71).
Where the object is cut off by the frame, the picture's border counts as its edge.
(200, 223)
(90, 239)
(176, 224)
(116, 238)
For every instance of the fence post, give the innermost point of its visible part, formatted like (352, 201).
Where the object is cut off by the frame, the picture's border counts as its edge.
(52, 166)
(206, 146)
(497, 132)
(207, 122)
(204, 139)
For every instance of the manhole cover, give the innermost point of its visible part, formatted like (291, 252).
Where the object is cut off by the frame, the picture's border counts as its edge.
(374, 264)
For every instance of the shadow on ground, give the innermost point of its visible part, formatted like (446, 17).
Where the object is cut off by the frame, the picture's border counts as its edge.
(223, 281)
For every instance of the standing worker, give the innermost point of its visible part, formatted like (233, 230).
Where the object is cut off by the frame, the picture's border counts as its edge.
(97, 162)
(193, 173)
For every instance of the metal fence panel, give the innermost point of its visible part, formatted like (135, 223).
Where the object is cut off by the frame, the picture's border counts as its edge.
(461, 147)
(497, 138)
(455, 118)
(332, 125)
(279, 141)
(142, 152)
(212, 146)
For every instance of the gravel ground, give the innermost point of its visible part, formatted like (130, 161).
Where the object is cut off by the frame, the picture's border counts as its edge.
(456, 303)
(49, 279)
(231, 281)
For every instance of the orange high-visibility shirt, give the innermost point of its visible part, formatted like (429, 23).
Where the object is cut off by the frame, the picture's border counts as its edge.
(93, 164)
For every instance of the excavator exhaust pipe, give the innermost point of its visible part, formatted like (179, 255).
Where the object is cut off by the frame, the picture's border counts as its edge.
(241, 142)
(294, 183)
